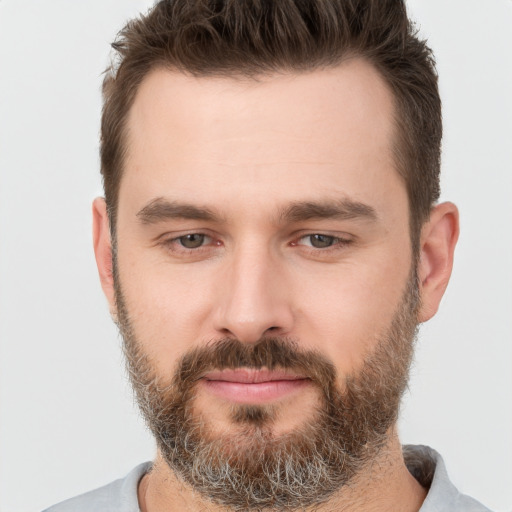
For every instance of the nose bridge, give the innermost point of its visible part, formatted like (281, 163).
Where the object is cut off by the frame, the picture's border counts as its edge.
(254, 299)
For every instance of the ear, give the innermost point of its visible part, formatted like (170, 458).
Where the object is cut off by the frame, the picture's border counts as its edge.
(437, 245)
(103, 250)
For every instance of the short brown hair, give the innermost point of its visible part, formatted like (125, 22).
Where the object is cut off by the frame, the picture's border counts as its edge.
(255, 37)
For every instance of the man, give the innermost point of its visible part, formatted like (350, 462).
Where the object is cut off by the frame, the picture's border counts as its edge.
(268, 243)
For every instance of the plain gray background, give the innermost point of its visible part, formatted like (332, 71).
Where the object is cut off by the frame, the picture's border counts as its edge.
(67, 420)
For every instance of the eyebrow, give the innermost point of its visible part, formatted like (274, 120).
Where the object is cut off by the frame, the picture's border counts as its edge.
(344, 209)
(161, 209)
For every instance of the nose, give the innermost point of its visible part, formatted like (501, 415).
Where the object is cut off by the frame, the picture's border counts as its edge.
(254, 298)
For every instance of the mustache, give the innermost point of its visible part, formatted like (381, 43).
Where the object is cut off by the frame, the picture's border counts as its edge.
(270, 353)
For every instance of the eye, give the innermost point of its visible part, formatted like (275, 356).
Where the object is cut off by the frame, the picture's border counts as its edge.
(320, 241)
(192, 246)
(192, 241)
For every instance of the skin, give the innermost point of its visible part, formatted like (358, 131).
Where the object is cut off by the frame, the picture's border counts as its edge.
(247, 151)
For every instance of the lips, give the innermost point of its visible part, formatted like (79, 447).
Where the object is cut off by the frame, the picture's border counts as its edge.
(251, 386)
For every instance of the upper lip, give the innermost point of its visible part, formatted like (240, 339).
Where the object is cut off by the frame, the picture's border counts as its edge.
(251, 376)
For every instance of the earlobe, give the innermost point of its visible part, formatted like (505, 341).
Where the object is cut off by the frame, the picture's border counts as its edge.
(437, 245)
(103, 250)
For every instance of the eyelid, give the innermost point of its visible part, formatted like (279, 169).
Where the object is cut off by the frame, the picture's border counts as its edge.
(171, 241)
(175, 235)
(341, 237)
(341, 243)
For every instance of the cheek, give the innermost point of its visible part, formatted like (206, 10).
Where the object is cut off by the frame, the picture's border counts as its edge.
(346, 313)
(168, 308)
(339, 310)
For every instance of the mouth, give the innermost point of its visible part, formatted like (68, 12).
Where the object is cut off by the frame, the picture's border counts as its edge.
(253, 386)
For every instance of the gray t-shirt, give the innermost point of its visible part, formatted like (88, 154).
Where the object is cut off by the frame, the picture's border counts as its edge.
(425, 464)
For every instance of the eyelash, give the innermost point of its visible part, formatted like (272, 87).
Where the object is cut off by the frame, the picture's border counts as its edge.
(337, 243)
(175, 245)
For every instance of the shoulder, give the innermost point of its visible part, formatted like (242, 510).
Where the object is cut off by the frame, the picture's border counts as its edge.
(428, 467)
(118, 496)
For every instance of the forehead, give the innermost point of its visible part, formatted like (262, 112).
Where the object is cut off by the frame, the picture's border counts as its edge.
(279, 136)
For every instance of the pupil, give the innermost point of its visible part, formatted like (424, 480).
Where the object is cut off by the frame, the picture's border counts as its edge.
(192, 241)
(321, 241)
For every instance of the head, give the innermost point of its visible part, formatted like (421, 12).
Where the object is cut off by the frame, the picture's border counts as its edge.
(269, 239)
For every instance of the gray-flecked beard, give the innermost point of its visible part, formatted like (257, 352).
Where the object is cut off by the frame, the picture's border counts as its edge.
(251, 467)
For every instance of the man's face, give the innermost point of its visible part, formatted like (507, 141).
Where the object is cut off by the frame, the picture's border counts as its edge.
(263, 215)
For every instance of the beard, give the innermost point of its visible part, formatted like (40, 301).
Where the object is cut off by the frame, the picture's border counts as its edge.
(251, 467)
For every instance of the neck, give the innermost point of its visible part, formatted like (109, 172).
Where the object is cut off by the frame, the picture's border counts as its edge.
(385, 486)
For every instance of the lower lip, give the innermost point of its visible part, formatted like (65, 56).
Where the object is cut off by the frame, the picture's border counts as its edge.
(254, 393)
